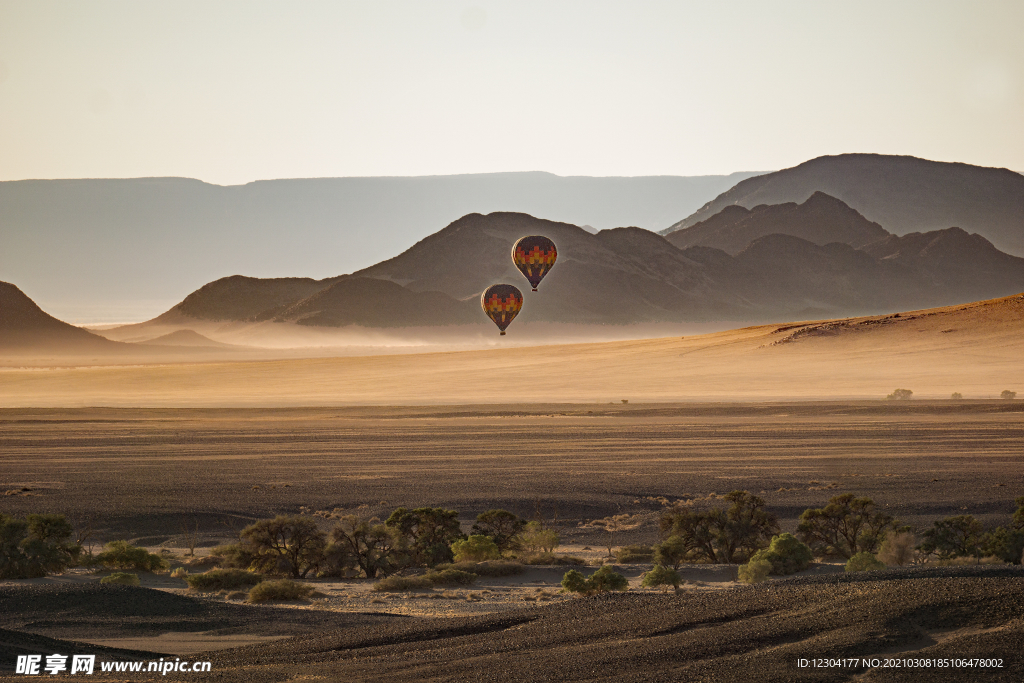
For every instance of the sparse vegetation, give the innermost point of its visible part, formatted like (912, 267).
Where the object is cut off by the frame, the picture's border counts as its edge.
(179, 573)
(476, 548)
(755, 571)
(846, 526)
(279, 590)
(786, 555)
(451, 577)
(900, 395)
(222, 579)
(864, 562)
(122, 578)
(35, 546)
(445, 577)
(635, 554)
(613, 525)
(489, 568)
(661, 575)
(123, 555)
(956, 396)
(552, 559)
(603, 580)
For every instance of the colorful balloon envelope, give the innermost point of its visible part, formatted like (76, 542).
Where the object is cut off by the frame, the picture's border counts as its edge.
(534, 256)
(501, 303)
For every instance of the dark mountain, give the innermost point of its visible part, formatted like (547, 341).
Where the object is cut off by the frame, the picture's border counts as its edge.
(821, 219)
(109, 249)
(904, 194)
(23, 326)
(625, 275)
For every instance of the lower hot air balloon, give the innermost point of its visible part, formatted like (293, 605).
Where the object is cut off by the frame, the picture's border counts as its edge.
(501, 303)
(534, 255)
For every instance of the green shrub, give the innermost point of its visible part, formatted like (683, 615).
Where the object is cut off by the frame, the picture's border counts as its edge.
(35, 546)
(490, 568)
(222, 579)
(179, 573)
(552, 559)
(661, 576)
(281, 589)
(864, 562)
(451, 577)
(604, 579)
(786, 554)
(402, 583)
(539, 539)
(635, 554)
(1006, 544)
(123, 555)
(476, 548)
(671, 552)
(122, 578)
(755, 571)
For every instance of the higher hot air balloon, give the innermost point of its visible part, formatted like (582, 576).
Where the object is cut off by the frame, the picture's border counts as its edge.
(501, 303)
(534, 255)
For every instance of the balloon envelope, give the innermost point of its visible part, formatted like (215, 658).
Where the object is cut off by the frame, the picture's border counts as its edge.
(501, 303)
(534, 255)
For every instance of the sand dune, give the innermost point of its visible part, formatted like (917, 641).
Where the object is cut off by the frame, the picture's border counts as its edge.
(975, 349)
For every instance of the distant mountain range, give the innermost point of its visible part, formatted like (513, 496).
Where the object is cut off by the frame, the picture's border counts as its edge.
(631, 275)
(116, 250)
(901, 193)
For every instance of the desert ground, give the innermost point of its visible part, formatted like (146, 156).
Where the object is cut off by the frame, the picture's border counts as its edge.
(795, 413)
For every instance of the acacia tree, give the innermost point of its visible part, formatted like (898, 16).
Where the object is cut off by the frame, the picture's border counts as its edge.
(429, 532)
(745, 527)
(959, 536)
(691, 533)
(716, 535)
(375, 548)
(35, 546)
(502, 527)
(290, 545)
(613, 525)
(846, 526)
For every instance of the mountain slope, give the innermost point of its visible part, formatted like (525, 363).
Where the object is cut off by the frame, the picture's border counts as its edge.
(903, 194)
(821, 219)
(620, 276)
(23, 325)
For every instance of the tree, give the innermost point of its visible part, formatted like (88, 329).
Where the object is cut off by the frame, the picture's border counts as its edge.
(745, 527)
(476, 548)
(956, 396)
(35, 546)
(900, 394)
(1006, 544)
(502, 526)
(846, 526)
(697, 530)
(539, 539)
(429, 532)
(1008, 395)
(285, 545)
(375, 548)
(959, 536)
(1018, 515)
(671, 552)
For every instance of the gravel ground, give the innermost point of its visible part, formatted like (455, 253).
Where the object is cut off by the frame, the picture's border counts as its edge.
(747, 633)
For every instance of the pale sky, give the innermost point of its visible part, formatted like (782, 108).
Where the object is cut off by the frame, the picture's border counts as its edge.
(230, 92)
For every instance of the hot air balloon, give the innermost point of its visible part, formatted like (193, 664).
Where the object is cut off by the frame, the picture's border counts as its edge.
(501, 303)
(534, 255)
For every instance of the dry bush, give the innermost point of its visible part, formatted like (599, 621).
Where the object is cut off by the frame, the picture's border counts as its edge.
(898, 549)
(222, 579)
(864, 562)
(281, 589)
(451, 577)
(179, 573)
(122, 578)
(403, 583)
(552, 559)
(491, 568)
(635, 554)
